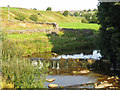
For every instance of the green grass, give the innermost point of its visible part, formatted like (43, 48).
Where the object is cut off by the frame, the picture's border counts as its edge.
(66, 41)
(31, 43)
(77, 25)
(45, 16)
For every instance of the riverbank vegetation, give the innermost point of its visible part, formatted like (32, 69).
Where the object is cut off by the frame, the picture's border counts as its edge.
(17, 72)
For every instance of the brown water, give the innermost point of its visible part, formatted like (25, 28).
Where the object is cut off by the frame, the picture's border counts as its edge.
(61, 68)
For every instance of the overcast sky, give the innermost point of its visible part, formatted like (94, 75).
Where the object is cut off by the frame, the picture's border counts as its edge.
(56, 5)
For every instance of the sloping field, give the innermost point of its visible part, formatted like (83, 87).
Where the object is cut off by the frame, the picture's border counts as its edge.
(43, 16)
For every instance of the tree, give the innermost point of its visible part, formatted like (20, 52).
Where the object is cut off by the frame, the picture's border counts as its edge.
(109, 36)
(65, 13)
(34, 9)
(95, 10)
(94, 18)
(34, 17)
(87, 16)
(8, 6)
(49, 9)
(88, 10)
(84, 10)
(76, 14)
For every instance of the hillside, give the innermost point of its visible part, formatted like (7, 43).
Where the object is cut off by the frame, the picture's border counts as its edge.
(43, 16)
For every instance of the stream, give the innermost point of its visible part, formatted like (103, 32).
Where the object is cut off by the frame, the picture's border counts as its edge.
(63, 69)
(69, 80)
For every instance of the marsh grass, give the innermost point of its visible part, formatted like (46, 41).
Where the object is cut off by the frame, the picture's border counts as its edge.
(17, 71)
(22, 74)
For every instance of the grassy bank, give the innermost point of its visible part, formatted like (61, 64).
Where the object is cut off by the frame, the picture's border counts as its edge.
(31, 42)
(66, 41)
(43, 16)
(17, 72)
(63, 42)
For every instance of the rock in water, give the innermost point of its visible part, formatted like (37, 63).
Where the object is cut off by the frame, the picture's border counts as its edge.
(50, 80)
(53, 86)
(81, 72)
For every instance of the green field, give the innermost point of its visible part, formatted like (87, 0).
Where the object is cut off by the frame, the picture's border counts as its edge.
(77, 25)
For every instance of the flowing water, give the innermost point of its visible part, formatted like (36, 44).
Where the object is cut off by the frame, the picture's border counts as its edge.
(95, 55)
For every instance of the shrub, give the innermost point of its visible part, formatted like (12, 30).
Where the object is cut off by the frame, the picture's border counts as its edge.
(49, 9)
(20, 17)
(94, 18)
(71, 14)
(34, 17)
(84, 10)
(39, 14)
(88, 10)
(87, 16)
(76, 14)
(34, 9)
(84, 20)
(65, 13)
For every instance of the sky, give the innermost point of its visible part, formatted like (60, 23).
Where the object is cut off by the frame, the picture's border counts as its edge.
(56, 5)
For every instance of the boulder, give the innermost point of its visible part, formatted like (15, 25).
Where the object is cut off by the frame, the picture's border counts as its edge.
(81, 72)
(53, 86)
(103, 84)
(50, 80)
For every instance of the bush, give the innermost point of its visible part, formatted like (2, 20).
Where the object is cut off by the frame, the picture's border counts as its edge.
(20, 17)
(84, 20)
(76, 14)
(88, 10)
(34, 17)
(49, 9)
(87, 16)
(34, 9)
(65, 13)
(94, 18)
(71, 14)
